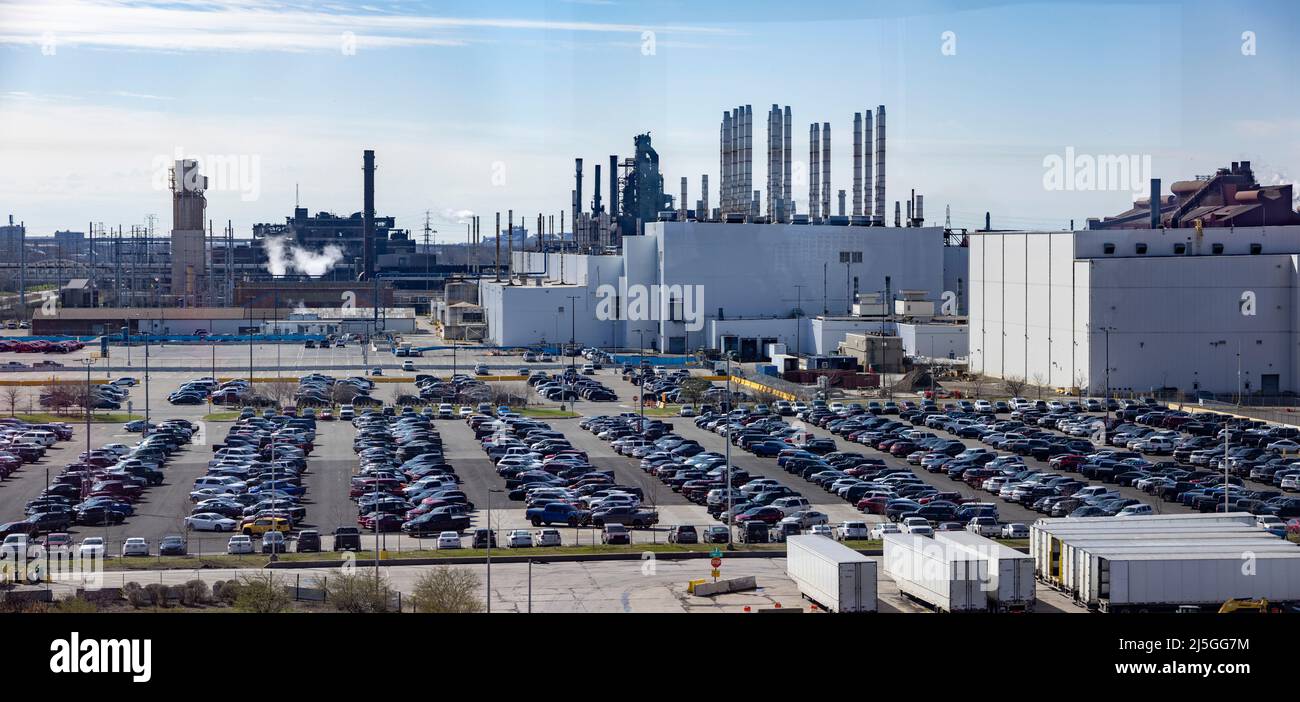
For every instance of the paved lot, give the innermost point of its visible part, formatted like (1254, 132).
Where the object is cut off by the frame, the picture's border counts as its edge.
(620, 586)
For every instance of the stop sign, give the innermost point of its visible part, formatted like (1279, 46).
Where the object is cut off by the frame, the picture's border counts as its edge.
(715, 562)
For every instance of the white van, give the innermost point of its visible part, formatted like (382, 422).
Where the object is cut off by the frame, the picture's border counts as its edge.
(38, 436)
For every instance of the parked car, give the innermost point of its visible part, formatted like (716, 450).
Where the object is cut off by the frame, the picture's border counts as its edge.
(347, 539)
(239, 544)
(1015, 530)
(683, 534)
(135, 546)
(548, 537)
(308, 541)
(171, 546)
(447, 540)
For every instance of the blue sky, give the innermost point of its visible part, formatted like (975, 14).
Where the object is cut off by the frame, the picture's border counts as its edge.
(479, 107)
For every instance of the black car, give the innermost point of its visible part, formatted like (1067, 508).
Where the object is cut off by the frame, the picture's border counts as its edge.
(171, 546)
(481, 538)
(347, 539)
(717, 534)
(308, 541)
(754, 532)
(96, 516)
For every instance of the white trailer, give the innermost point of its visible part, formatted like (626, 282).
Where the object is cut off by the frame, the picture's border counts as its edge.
(1169, 580)
(1076, 553)
(1011, 572)
(948, 578)
(831, 574)
(1047, 535)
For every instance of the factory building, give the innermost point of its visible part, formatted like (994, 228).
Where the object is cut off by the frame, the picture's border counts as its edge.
(689, 285)
(1198, 301)
(1207, 310)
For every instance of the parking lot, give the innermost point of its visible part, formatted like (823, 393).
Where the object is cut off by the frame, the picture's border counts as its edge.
(333, 464)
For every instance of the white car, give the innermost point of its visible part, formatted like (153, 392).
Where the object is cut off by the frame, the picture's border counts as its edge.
(1135, 510)
(135, 546)
(984, 526)
(210, 521)
(910, 524)
(465, 411)
(807, 519)
(686, 411)
(822, 530)
(853, 530)
(446, 411)
(408, 365)
(91, 547)
(239, 544)
(1015, 530)
(519, 538)
(879, 530)
(447, 540)
(1285, 447)
(547, 537)
(347, 412)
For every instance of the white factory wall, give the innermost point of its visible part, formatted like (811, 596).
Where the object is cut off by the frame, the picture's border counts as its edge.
(752, 270)
(742, 270)
(523, 315)
(1177, 322)
(789, 331)
(1160, 242)
(1040, 314)
(934, 340)
(1026, 310)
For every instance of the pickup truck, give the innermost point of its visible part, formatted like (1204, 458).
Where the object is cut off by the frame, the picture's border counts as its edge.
(557, 512)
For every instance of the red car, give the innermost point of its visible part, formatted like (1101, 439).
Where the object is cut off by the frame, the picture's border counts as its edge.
(770, 515)
(873, 505)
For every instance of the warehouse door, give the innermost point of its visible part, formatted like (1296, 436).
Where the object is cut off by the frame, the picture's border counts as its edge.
(1268, 384)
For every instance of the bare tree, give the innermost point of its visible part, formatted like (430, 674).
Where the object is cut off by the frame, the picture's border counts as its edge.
(10, 395)
(56, 397)
(1015, 385)
(280, 391)
(693, 389)
(343, 392)
(1038, 383)
(977, 385)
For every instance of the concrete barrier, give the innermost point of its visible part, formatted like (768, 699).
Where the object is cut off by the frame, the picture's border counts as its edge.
(722, 587)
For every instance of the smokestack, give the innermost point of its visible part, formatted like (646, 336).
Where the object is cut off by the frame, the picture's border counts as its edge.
(841, 203)
(724, 145)
(920, 210)
(612, 205)
(595, 192)
(909, 220)
(987, 219)
(826, 169)
(814, 170)
(897, 214)
(857, 164)
(880, 164)
(703, 214)
(1155, 203)
(681, 207)
(749, 150)
(773, 160)
(498, 238)
(867, 132)
(368, 214)
(577, 183)
(787, 149)
(510, 247)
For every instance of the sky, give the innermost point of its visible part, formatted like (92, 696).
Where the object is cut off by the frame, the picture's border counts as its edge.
(479, 107)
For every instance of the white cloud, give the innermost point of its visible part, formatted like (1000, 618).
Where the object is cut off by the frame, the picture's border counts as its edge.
(260, 25)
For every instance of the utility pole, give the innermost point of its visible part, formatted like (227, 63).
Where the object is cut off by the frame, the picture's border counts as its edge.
(428, 255)
(731, 517)
(798, 321)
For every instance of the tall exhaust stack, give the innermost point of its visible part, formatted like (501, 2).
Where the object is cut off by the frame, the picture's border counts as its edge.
(1155, 203)
(867, 132)
(920, 210)
(703, 214)
(612, 205)
(841, 210)
(749, 151)
(773, 160)
(880, 164)
(681, 206)
(826, 169)
(787, 151)
(857, 164)
(722, 158)
(595, 193)
(368, 214)
(814, 170)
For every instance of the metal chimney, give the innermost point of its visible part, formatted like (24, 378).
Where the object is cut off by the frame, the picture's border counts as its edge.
(722, 157)
(814, 169)
(749, 149)
(826, 169)
(857, 164)
(880, 164)
(368, 213)
(595, 191)
(703, 214)
(612, 205)
(577, 187)
(681, 207)
(1155, 203)
(841, 210)
(787, 151)
(898, 214)
(867, 132)
(920, 210)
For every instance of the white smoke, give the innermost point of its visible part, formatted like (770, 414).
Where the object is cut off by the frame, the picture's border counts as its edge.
(281, 256)
(458, 216)
(1280, 178)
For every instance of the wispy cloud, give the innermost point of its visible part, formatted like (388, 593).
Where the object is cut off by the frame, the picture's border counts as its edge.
(140, 96)
(262, 25)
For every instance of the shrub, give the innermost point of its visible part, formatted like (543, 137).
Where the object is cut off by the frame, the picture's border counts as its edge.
(444, 590)
(357, 592)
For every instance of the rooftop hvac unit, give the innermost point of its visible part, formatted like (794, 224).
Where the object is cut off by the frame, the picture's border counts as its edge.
(920, 309)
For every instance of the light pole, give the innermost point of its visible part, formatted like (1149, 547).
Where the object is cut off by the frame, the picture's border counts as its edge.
(126, 341)
(640, 370)
(490, 535)
(87, 401)
(731, 518)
